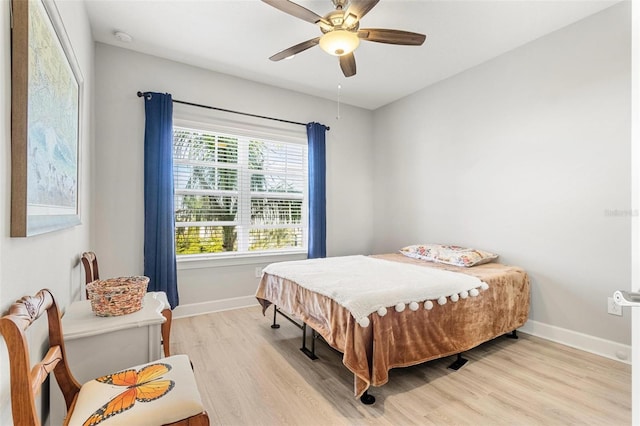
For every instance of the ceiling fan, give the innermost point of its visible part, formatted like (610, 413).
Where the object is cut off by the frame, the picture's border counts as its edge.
(341, 33)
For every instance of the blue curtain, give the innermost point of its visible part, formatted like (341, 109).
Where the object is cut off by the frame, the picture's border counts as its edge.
(316, 134)
(159, 243)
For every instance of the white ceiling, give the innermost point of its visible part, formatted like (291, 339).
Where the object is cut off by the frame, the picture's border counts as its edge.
(238, 36)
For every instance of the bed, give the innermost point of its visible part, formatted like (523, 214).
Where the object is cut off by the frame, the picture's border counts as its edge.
(408, 332)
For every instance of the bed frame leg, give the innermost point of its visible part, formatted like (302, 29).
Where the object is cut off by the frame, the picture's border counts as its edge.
(458, 363)
(367, 398)
(310, 353)
(275, 312)
(314, 335)
(512, 335)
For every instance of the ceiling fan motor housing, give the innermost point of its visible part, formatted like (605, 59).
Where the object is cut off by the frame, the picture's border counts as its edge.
(339, 21)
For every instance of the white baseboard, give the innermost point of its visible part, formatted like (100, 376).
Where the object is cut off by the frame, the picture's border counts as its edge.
(208, 307)
(595, 345)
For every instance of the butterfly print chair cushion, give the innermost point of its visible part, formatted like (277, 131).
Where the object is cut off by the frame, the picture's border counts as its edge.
(156, 393)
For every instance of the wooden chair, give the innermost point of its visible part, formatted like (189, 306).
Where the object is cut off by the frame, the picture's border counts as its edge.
(90, 263)
(176, 400)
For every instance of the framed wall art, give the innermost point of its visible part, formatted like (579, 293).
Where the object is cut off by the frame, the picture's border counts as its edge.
(46, 93)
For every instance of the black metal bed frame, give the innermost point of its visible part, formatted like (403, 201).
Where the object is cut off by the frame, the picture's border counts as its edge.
(366, 397)
(311, 353)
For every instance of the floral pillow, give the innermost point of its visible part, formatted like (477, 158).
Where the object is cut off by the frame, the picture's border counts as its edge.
(451, 255)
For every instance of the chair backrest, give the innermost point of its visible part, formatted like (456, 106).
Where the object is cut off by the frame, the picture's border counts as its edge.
(26, 381)
(90, 263)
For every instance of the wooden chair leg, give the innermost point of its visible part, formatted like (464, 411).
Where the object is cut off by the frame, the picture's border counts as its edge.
(166, 332)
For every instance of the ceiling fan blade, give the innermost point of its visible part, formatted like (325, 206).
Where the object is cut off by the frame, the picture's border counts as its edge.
(296, 10)
(360, 7)
(348, 64)
(301, 47)
(391, 36)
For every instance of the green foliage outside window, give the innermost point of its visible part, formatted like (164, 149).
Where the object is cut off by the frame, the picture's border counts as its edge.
(207, 184)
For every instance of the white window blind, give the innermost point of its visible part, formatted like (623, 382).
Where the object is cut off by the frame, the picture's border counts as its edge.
(238, 193)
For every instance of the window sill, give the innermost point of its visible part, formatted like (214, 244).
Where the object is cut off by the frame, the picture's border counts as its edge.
(200, 261)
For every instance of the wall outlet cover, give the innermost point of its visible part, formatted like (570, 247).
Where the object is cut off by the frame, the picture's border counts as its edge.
(613, 308)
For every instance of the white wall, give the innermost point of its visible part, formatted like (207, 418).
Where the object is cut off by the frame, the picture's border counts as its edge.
(49, 260)
(118, 210)
(523, 155)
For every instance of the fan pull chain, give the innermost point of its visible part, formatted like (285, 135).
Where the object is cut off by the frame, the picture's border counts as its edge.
(338, 116)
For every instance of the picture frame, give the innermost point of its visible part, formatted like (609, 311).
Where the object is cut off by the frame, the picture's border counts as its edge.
(46, 97)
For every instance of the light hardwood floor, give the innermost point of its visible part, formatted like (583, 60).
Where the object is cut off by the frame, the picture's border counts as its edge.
(250, 374)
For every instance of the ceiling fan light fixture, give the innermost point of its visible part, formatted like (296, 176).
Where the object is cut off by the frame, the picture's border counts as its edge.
(339, 42)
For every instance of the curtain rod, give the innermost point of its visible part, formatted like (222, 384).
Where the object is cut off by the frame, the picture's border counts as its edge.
(141, 94)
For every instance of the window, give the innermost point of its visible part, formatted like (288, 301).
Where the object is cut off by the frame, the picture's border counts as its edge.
(238, 194)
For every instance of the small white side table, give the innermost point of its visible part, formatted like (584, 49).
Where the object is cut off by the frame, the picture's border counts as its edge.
(97, 346)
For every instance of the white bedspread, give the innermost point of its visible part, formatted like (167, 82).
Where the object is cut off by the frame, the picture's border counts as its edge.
(364, 285)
